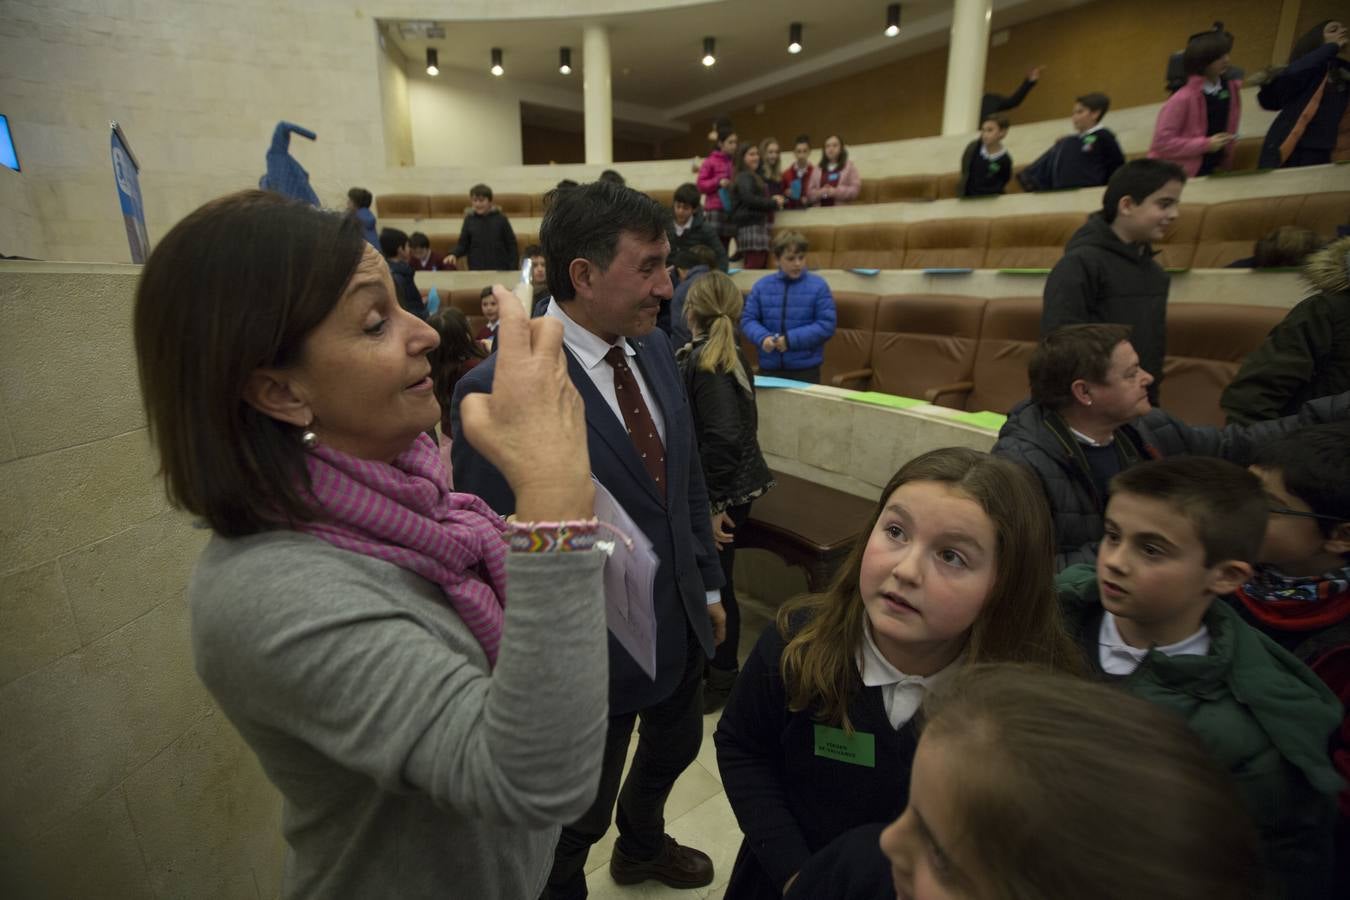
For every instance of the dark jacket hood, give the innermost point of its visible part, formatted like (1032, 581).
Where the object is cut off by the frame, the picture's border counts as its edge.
(1096, 232)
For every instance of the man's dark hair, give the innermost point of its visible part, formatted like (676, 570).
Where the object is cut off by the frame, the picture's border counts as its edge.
(531, 252)
(480, 190)
(586, 222)
(1223, 501)
(694, 255)
(802, 139)
(1137, 180)
(391, 241)
(1097, 102)
(361, 197)
(417, 240)
(998, 119)
(1203, 49)
(612, 176)
(1315, 465)
(1069, 353)
(688, 195)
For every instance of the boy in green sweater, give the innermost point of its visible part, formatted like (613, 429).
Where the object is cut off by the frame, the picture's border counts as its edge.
(1178, 536)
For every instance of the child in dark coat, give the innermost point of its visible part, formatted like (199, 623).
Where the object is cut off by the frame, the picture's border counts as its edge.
(986, 164)
(486, 237)
(1085, 159)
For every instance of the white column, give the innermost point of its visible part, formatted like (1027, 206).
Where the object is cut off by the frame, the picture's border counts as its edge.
(598, 96)
(965, 66)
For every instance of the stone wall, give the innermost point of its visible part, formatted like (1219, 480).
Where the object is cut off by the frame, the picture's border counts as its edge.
(122, 779)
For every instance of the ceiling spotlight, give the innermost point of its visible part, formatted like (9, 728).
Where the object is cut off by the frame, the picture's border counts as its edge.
(565, 60)
(893, 20)
(432, 62)
(709, 57)
(795, 37)
(497, 61)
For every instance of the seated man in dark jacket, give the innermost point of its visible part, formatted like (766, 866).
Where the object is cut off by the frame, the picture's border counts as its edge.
(1108, 273)
(1089, 417)
(394, 246)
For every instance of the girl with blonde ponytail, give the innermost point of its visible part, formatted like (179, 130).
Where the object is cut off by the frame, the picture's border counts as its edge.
(721, 393)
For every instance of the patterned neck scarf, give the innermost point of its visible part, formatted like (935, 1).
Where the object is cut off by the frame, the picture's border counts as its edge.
(404, 513)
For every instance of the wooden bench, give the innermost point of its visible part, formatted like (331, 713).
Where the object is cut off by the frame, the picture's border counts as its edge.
(806, 524)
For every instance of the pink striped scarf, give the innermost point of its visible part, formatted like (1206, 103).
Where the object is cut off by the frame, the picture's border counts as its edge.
(404, 512)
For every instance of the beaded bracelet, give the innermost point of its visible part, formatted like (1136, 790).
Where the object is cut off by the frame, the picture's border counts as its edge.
(561, 537)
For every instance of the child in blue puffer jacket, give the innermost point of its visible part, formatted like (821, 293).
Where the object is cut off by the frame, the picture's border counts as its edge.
(789, 315)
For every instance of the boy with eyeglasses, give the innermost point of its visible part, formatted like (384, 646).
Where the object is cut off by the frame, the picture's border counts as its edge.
(1299, 595)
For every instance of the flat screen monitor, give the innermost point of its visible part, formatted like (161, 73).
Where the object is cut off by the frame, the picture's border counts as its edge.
(9, 157)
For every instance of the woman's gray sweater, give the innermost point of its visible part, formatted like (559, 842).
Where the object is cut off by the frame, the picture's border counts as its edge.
(408, 768)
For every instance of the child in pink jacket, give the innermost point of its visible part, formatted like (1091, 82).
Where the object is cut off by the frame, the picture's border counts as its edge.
(714, 183)
(1198, 124)
(835, 180)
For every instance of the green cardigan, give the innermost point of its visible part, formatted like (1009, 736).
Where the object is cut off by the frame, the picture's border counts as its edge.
(1263, 714)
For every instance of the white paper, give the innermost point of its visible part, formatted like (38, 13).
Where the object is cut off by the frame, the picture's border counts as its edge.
(630, 580)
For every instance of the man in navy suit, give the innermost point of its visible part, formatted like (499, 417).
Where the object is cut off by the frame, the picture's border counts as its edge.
(606, 247)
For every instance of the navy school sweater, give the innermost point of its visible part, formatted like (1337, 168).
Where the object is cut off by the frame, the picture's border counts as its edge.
(790, 799)
(1078, 160)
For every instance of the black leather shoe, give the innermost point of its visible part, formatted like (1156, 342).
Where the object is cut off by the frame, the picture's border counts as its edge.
(675, 866)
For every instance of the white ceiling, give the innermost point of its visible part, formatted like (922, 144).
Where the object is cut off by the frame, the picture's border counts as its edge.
(655, 56)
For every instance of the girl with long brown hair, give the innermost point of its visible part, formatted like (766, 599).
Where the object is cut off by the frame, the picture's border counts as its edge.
(457, 353)
(956, 566)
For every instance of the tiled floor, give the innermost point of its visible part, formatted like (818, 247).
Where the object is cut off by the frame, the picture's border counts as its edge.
(697, 813)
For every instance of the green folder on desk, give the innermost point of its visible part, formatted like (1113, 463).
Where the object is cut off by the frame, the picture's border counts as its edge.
(991, 421)
(879, 399)
(1024, 271)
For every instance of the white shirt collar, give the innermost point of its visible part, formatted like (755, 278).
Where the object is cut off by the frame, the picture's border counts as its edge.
(681, 229)
(1098, 127)
(588, 348)
(984, 151)
(1084, 439)
(1119, 658)
(900, 693)
(1213, 88)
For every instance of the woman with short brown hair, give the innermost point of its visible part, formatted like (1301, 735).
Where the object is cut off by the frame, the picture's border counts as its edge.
(350, 613)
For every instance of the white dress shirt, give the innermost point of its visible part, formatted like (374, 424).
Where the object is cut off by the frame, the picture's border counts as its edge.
(900, 693)
(1119, 658)
(590, 350)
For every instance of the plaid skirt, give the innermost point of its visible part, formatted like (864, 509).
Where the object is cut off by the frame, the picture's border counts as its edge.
(721, 223)
(752, 237)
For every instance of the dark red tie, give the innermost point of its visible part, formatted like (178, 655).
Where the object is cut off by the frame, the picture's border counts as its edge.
(638, 419)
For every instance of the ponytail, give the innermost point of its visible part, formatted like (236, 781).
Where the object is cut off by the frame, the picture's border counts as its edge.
(715, 303)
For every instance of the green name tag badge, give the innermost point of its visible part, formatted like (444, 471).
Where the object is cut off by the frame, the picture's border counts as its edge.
(858, 749)
(993, 167)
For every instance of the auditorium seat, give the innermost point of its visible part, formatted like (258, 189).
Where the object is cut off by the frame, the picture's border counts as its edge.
(1034, 241)
(525, 239)
(537, 204)
(847, 353)
(402, 206)
(946, 243)
(923, 341)
(1009, 332)
(442, 243)
(518, 205)
(1323, 213)
(467, 300)
(664, 196)
(449, 206)
(1177, 249)
(1230, 230)
(867, 191)
(820, 244)
(1246, 153)
(1015, 186)
(898, 188)
(874, 245)
(1206, 343)
(948, 185)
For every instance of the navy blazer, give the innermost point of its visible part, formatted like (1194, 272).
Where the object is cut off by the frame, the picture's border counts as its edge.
(678, 527)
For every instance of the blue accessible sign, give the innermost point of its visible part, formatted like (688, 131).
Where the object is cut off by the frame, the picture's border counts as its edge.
(125, 168)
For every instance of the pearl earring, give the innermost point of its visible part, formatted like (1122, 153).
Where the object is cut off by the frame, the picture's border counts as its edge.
(308, 439)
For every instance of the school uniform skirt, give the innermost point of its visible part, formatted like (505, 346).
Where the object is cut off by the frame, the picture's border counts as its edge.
(752, 237)
(721, 223)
